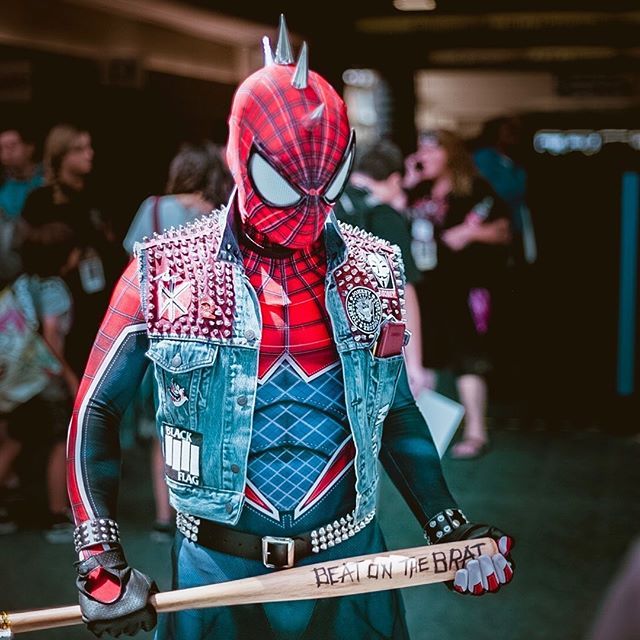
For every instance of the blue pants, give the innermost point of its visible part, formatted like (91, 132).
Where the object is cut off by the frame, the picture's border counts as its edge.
(370, 616)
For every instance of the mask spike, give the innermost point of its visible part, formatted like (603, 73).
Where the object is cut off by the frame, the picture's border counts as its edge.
(313, 118)
(284, 55)
(266, 48)
(301, 74)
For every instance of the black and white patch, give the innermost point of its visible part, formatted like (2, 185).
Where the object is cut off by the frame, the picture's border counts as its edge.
(364, 309)
(182, 450)
(381, 270)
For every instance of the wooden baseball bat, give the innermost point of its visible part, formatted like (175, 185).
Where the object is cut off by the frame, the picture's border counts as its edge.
(340, 577)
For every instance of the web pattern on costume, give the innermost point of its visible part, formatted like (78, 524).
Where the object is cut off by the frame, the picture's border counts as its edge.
(300, 421)
(298, 426)
(295, 321)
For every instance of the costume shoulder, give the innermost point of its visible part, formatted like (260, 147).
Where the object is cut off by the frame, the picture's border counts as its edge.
(371, 281)
(187, 289)
(361, 242)
(207, 229)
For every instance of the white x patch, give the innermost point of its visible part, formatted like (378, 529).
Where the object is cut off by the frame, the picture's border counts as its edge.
(174, 299)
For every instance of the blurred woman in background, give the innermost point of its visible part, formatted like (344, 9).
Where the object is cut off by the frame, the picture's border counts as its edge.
(460, 229)
(198, 182)
(93, 260)
(38, 424)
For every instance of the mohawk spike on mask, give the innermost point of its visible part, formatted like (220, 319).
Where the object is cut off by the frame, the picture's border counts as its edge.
(313, 118)
(301, 74)
(284, 54)
(290, 149)
(266, 48)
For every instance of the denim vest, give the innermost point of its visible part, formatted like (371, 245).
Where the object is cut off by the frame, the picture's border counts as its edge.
(204, 327)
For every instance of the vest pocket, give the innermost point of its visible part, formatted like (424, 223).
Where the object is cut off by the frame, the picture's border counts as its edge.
(183, 372)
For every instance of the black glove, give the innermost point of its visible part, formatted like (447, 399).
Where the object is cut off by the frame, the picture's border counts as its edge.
(486, 573)
(130, 611)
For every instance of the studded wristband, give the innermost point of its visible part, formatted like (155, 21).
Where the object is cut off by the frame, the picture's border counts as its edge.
(98, 531)
(442, 524)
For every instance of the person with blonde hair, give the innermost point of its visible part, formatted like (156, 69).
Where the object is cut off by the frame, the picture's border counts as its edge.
(92, 261)
(67, 157)
(460, 228)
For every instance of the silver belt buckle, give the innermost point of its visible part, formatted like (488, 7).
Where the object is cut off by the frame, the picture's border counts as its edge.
(268, 542)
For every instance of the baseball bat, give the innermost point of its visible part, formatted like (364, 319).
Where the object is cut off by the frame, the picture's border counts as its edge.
(341, 577)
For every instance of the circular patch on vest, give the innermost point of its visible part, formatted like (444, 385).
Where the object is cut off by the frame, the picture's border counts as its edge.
(364, 309)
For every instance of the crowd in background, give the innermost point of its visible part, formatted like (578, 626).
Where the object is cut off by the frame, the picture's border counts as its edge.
(460, 220)
(59, 261)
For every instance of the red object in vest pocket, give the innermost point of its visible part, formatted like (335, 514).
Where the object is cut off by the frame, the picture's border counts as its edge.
(391, 340)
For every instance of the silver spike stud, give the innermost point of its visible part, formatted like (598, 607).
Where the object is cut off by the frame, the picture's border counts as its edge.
(301, 74)
(312, 119)
(268, 54)
(284, 55)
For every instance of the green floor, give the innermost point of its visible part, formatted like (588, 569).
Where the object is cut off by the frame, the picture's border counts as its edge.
(571, 500)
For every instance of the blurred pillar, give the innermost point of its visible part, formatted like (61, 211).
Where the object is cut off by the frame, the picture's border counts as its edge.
(627, 314)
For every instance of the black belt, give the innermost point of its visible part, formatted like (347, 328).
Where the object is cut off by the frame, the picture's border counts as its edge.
(274, 551)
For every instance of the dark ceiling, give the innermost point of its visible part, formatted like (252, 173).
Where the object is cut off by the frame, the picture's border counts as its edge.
(374, 33)
(346, 12)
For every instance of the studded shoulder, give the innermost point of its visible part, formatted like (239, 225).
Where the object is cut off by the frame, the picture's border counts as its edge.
(370, 282)
(204, 226)
(190, 292)
(356, 237)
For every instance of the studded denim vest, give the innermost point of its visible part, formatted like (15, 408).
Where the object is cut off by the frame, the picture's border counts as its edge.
(204, 327)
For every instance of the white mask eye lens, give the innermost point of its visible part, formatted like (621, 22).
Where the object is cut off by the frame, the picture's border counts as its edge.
(270, 185)
(338, 183)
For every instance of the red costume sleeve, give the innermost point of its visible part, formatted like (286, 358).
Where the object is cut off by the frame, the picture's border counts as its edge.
(112, 376)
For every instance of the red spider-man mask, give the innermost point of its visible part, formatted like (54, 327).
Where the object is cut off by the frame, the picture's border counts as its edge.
(290, 149)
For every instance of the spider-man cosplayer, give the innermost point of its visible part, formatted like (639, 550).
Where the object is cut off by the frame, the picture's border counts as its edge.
(276, 338)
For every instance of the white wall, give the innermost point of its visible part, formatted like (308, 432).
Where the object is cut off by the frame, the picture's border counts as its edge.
(463, 100)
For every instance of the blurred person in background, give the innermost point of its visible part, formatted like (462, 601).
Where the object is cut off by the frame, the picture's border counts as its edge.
(39, 426)
(496, 161)
(460, 229)
(372, 201)
(94, 260)
(198, 183)
(496, 158)
(21, 174)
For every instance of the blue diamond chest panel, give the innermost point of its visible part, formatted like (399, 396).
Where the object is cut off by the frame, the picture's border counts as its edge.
(301, 454)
